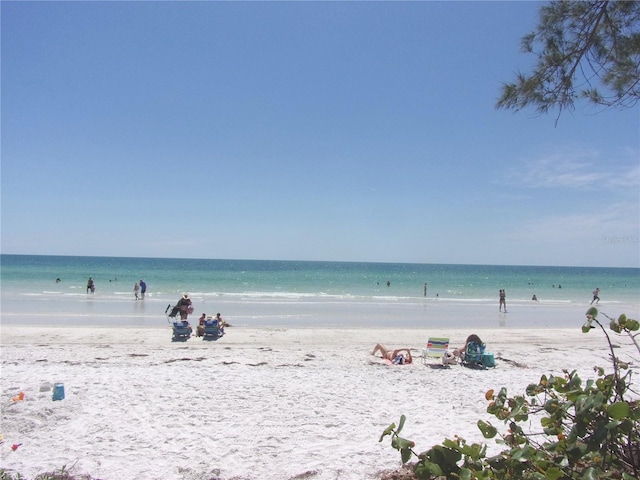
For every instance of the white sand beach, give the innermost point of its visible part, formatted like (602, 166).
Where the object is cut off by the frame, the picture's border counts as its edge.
(260, 403)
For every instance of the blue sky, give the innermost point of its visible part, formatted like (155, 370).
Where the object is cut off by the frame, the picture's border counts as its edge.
(355, 131)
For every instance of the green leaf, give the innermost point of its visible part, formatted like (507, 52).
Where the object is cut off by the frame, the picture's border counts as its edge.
(551, 406)
(554, 473)
(592, 312)
(488, 430)
(591, 474)
(401, 425)
(632, 325)
(523, 454)
(465, 474)
(619, 410)
(405, 453)
(404, 443)
(388, 431)
(426, 469)
(447, 442)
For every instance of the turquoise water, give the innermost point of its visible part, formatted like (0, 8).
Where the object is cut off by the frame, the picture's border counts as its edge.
(256, 292)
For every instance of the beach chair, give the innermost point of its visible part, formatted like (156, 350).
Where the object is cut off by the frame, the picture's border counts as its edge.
(436, 349)
(476, 357)
(181, 332)
(174, 311)
(211, 330)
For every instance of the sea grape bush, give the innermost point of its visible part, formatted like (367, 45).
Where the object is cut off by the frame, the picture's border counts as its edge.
(587, 430)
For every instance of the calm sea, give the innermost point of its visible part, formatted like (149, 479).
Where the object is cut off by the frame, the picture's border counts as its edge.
(290, 293)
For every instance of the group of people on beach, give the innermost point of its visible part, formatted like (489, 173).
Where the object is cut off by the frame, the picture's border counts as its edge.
(503, 298)
(140, 289)
(184, 307)
(402, 356)
(208, 318)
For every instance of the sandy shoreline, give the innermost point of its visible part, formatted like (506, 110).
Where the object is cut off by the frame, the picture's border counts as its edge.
(268, 403)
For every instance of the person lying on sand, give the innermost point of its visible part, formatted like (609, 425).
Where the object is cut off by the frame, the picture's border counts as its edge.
(396, 356)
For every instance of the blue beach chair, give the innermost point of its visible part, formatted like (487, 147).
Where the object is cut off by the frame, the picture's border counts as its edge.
(181, 332)
(476, 356)
(212, 330)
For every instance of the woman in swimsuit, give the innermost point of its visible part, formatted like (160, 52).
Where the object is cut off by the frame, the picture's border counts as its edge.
(391, 355)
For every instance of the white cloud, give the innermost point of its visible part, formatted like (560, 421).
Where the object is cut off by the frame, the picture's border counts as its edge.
(578, 169)
(613, 230)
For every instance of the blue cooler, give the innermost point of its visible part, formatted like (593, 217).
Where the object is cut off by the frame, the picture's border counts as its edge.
(488, 360)
(58, 391)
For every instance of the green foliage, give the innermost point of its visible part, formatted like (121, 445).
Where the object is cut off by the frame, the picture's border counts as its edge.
(397, 442)
(585, 50)
(587, 430)
(7, 475)
(62, 474)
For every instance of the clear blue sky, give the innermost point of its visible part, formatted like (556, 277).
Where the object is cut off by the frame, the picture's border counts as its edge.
(348, 131)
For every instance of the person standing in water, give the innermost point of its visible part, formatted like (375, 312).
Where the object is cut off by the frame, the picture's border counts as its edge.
(503, 301)
(596, 297)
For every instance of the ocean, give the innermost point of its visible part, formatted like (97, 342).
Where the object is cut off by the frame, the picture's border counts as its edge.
(303, 293)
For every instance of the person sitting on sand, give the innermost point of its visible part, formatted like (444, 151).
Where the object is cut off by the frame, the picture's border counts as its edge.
(221, 323)
(471, 338)
(396, 356)
(200, 327)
